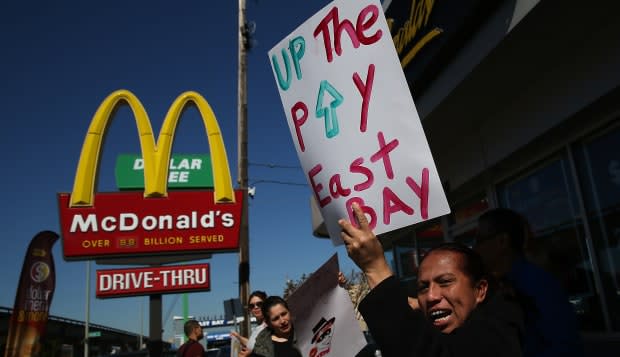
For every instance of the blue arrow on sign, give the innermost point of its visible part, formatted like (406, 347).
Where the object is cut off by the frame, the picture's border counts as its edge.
(331, 119)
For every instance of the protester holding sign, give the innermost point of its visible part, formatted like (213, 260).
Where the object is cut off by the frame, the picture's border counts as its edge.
(278, 339)
(255, 304)
(458, 315)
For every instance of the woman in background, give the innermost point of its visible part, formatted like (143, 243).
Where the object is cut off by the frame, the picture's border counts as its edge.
(278, 338)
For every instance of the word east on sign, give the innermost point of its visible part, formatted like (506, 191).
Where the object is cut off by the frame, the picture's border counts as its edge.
(152, 280)
(154, 221)
(353, 121)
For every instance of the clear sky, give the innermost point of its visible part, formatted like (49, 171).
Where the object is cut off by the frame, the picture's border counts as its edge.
(60, 59)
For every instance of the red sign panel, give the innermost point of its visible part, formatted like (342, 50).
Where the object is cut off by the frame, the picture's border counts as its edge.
(127, 224)
(152, 280)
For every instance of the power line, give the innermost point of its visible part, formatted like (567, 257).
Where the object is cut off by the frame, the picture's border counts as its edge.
(274, 166)
(278, 182)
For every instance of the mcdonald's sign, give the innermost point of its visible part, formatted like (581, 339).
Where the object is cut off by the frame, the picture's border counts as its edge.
(154, 221)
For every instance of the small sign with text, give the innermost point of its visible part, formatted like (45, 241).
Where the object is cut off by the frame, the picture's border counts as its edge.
(152, 280)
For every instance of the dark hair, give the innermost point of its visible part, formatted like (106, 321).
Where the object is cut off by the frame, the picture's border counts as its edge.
(504, 220)
(189, 326)
(259, 294)
(472, 264)
(270, 302)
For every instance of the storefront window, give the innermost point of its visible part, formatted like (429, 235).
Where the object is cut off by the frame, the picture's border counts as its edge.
(598, 162)
(409, 250)
(546, 197)
(469, 210)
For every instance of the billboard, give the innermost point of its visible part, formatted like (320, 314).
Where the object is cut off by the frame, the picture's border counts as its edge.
(124, 224)
(152, 280)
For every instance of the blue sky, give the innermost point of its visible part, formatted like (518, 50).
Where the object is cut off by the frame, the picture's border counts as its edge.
(61, 59)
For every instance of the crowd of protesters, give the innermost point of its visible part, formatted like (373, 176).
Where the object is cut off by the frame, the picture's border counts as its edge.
(486, 300)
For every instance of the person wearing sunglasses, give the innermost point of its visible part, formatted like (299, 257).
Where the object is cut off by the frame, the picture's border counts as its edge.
(255, 303)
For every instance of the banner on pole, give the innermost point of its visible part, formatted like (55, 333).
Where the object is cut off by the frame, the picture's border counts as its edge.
(33, 298)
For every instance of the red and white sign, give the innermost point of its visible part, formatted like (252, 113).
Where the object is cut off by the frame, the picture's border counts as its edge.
(152, 280)
(126, 223)
(353, 121)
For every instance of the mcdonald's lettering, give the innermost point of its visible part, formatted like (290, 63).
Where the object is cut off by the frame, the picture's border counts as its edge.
(104, 224)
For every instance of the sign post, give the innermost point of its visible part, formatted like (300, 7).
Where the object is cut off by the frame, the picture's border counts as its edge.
(134, 224)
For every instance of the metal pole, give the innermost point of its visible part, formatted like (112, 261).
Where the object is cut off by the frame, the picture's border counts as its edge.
(185, 312)
(242, 151)
(155, 326)
(86, 320)
(140, 341)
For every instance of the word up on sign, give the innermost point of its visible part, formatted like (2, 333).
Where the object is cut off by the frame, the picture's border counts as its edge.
(152, 280)
(353, 121)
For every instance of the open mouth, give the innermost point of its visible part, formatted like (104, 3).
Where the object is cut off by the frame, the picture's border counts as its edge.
(439, 317)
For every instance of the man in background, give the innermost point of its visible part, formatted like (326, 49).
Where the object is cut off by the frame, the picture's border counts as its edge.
(191, 348)
(550, 321)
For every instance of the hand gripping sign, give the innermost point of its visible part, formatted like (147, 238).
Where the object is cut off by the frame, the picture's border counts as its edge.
(156, 221)
(353, 120)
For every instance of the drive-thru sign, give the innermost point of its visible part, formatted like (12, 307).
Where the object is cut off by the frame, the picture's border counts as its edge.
(152, 280)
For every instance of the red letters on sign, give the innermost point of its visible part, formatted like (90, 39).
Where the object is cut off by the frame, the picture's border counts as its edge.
(356, 34)
(365, 91)
(372, 222)
(299, 122)
(421, 191)
(384, 154)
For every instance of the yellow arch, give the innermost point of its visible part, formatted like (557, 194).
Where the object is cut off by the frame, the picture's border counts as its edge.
(156, 157)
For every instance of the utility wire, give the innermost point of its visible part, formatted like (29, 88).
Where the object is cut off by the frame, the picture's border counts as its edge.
(274, 166)
(278, 182)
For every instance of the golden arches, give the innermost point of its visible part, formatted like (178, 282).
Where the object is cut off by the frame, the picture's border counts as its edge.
(156, 156)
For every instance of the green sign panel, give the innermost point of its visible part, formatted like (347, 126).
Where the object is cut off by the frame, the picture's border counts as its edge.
(94, 334)
(185, 171)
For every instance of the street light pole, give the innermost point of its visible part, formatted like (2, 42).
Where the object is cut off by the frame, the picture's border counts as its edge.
(242, 151)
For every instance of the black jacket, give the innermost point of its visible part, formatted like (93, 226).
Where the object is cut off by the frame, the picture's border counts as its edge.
(264, 345)
(493, 329)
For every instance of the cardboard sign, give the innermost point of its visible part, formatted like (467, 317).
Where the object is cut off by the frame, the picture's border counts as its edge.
(325, 321)
(353, 121)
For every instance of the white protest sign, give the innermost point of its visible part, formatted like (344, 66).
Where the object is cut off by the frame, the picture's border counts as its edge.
(325, 323)
(353, 121)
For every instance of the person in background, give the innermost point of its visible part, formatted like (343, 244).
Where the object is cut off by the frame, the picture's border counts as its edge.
(550, 321)
(458, 314)
(255, 304)
(191, 348)
(278, 338)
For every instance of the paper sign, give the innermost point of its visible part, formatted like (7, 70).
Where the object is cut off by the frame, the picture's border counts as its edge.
(325, 321)
(353, 121)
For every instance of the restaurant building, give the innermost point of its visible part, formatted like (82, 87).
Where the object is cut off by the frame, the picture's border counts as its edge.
(520, 102)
